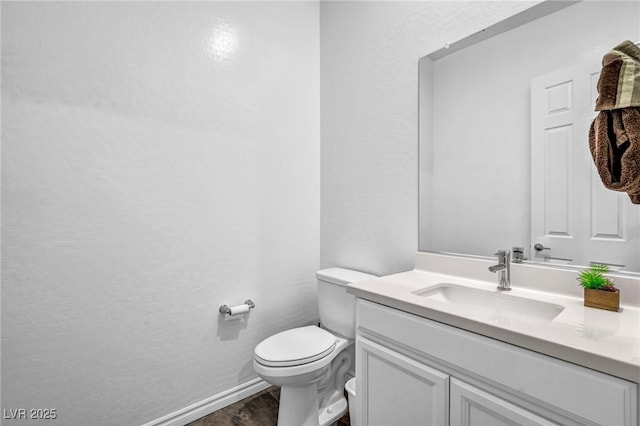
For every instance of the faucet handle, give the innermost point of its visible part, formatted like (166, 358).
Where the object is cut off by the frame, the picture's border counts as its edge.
(518, 254)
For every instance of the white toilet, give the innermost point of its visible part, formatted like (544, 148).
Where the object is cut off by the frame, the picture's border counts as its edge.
(311, 363)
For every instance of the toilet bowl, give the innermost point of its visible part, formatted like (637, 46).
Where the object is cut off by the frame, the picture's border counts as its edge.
(311, 363)
(307, 383)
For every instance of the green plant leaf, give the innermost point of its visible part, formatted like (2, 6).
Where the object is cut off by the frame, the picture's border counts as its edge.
(592, 279)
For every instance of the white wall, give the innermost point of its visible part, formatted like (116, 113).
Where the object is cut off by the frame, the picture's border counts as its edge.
(158, 160)
(481, 152)
(369, 107)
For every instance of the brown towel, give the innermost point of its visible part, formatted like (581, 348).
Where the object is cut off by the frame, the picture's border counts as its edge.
(614, 136)
(619, 82)
(614, 141)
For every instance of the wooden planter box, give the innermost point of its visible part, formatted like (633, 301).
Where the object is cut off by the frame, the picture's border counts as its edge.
(609, 300)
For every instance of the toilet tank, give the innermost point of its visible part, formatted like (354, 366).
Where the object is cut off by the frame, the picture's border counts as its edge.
(337, 307)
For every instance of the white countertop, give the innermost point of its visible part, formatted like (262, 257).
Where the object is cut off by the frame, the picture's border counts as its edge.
(602, 340)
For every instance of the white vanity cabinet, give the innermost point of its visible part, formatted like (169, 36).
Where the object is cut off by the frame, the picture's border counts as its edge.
(414, 371)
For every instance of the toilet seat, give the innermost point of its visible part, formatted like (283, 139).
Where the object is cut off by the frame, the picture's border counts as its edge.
(293, 347)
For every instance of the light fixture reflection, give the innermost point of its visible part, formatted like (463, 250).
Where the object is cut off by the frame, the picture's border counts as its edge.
(223, 42)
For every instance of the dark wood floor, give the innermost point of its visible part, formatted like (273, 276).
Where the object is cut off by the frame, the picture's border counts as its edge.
(260, 409)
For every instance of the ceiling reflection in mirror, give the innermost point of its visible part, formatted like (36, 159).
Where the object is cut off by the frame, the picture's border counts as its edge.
(494, 172)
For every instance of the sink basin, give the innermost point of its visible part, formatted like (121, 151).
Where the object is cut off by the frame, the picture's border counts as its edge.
(497, 305)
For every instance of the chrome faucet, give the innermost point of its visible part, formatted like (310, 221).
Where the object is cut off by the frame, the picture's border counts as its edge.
(504, 267)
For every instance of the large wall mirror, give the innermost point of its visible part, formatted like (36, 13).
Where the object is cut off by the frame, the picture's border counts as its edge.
(497, 169)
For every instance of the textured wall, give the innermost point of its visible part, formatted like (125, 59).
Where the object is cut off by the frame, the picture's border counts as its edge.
(158, 160)
(369, 109)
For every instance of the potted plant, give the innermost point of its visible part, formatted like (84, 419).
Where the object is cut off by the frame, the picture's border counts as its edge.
(599, 291)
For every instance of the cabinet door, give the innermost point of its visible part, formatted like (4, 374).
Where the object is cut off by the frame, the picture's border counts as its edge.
(393, 389)
(471, 406)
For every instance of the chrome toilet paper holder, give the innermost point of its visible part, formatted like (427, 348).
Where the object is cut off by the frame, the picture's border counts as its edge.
(224, 309)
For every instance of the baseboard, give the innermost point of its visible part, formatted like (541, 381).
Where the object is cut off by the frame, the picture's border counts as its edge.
(211, 404)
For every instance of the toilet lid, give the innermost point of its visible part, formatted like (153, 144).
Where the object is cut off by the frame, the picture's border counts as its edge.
(295, 347)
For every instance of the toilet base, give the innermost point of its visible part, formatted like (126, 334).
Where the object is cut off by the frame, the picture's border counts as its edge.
(333, 412)
(299, 407)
